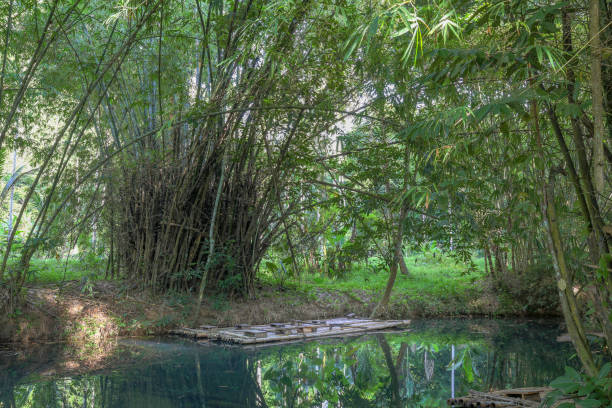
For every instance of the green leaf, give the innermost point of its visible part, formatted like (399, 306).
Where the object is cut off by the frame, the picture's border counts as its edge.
(604, 371)
(351, 44)
(286, 381)
(401, 32)
(271, 266)
(373, 28)
(467, 367)
(268, 375)
(589, 403)
(569, 384)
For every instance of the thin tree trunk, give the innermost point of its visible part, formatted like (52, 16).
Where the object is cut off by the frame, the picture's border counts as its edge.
(597, 91)
(486, 262)
(397, 254)
(403, 267)
(10, 214)
(7, 36)
(564, 280)
(570, 165)
(211, 238)
(565, 284)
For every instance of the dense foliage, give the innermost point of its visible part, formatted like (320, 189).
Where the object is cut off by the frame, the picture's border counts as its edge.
(192, 145)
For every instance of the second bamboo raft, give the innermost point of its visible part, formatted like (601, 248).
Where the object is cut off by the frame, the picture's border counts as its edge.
(510, 398)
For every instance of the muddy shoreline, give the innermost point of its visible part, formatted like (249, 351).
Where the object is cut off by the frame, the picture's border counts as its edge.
(109, 310)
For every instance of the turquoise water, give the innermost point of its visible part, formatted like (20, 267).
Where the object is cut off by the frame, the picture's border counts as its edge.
(419, 368)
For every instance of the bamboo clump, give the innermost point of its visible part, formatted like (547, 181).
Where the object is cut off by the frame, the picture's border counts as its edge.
(196, 206)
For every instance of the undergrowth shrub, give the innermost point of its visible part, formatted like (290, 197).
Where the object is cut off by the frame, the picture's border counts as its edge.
(535, 290)
(582, 390)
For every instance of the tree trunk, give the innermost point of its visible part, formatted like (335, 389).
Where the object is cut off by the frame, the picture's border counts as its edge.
(486, 263)
(500, 261)
(569, 306)
(597, 91)
(211, 239)
(589, 190)
(565, 284)
(403, 267)
(594, 220)
(397, 254)
(489, 261)
(12, 199)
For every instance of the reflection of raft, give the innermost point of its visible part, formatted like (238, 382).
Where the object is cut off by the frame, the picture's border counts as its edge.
(517, 397)
(294, 330)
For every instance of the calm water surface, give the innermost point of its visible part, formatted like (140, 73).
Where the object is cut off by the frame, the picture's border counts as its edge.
(419, 368)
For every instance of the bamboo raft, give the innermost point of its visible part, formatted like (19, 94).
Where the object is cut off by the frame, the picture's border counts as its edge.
(511, 398)
(294, 330)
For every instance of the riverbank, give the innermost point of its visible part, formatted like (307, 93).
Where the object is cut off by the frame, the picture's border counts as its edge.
(93, 313)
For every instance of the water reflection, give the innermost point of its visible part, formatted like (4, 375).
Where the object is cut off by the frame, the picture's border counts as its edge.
(420, 368)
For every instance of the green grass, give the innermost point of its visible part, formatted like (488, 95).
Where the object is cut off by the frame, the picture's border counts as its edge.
(51, 270)
(432, 276)
(435, 286)
(439, 275)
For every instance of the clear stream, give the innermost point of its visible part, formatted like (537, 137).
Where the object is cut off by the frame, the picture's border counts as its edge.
(418, 368)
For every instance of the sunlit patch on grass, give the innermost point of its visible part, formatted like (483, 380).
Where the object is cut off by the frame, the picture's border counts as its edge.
(92, 333)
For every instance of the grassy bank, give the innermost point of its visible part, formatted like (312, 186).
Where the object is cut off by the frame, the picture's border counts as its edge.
(434, 286)
(69, 301)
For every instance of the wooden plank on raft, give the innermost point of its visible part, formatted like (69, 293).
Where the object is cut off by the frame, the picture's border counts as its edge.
(329, 333)
(284, 330)
(255, 333)
(295, 330)
(184, 332)
(306, 329)
(194, 333)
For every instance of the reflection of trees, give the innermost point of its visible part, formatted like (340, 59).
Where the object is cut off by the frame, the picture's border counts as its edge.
(428, 365)
(525, 354)
(404, 370)
(371, 374)
(14, 370)
(8, 399)
(395, 371)
(224, 378)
